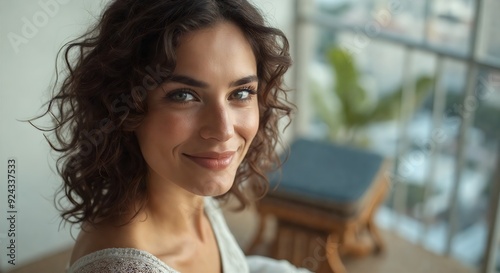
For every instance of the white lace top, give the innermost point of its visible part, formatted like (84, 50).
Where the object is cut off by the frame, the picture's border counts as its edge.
(131, 260)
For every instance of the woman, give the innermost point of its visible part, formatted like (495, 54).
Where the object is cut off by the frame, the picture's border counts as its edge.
(167, 104)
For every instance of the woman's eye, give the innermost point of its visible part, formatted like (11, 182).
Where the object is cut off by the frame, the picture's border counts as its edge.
(243, 94)
(181, 96)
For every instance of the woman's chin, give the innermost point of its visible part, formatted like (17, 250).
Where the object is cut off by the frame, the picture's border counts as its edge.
(213, 188)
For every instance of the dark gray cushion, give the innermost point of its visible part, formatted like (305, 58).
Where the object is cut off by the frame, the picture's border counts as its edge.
(327, 174)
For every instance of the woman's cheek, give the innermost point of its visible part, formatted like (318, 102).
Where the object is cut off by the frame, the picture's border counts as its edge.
(250, 122)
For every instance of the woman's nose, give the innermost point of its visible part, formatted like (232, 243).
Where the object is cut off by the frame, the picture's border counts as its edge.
(217, 123)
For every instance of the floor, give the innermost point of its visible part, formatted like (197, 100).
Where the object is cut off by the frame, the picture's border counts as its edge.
(401, 256)
(54, 263)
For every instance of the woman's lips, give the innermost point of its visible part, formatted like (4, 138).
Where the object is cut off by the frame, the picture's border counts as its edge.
(212, 160)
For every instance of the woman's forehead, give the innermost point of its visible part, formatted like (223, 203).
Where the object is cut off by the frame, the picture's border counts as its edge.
(218, 51)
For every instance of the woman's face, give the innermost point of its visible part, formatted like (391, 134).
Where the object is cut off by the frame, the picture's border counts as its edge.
(201, 123)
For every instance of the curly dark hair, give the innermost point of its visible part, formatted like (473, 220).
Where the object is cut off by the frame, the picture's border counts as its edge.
(101, 100)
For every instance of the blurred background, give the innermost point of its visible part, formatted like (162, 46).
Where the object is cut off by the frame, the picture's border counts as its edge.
(31, 34)
(415, 81)
(424, 90)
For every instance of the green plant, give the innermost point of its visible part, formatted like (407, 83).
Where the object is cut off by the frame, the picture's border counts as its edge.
(355, 109)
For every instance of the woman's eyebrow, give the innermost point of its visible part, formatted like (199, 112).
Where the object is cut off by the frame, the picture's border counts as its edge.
(188, 81)
(201, 84)
(244, 80)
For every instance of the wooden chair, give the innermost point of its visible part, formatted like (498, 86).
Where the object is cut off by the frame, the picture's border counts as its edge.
(324, 205)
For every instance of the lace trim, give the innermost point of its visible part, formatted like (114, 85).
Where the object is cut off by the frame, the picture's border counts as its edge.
(120, 254)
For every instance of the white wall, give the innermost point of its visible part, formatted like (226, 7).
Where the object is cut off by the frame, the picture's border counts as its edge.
(280, 14)
(31, 32)
(26, 70)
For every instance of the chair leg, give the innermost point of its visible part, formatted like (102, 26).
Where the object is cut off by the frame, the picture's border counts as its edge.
(375, 234)
(333, 255)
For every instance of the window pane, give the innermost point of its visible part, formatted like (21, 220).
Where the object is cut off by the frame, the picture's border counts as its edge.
(489, 38)
(478, 171)
(450, 24)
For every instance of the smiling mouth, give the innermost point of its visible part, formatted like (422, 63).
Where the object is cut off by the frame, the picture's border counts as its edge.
(211, 160)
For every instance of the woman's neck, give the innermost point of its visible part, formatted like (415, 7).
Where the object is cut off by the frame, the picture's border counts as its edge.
(174, 210)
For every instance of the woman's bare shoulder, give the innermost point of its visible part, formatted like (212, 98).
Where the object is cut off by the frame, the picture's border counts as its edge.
(93, 238)
(109, 248)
